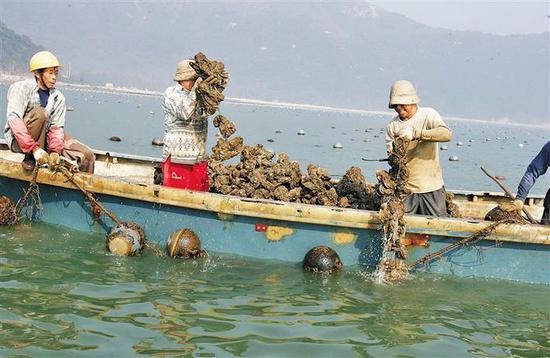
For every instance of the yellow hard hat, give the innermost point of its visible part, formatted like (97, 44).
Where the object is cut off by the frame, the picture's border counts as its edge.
(43, 59)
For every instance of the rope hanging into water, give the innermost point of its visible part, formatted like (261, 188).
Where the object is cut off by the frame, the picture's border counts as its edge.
(90, 197)
(32, 190)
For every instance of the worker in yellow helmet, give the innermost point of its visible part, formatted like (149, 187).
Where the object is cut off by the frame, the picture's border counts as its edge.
(36, 119)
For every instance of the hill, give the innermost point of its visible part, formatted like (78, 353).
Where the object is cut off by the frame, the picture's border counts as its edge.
(334, 54)
(15, 50)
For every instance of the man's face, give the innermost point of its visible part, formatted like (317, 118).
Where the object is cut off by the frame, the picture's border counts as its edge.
(49, 76)
(405, 111)
(187, 84)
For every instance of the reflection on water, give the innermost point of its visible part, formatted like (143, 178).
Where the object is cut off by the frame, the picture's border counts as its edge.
(62, 295)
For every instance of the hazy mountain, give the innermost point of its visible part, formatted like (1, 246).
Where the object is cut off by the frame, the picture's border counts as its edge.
(337, 54)
(15, 50)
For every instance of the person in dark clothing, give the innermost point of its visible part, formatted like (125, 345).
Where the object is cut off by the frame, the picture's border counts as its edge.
(538, 167)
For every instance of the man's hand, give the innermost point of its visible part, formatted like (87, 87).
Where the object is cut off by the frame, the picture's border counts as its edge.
(55, 159)
(40, 156)
(406, 133)
(512, 206)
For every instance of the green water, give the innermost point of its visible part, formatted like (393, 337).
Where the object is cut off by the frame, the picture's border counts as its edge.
(62, 295)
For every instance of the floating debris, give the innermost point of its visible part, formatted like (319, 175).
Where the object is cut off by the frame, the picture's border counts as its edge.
(338, 145)
(157, 141)
(115, 139)
(185, 243)
(453, 158)
(322, 259)
(301, 132)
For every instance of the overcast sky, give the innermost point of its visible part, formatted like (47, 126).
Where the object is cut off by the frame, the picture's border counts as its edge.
(496, 17)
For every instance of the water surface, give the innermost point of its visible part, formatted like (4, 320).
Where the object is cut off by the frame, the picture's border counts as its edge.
(62, 295)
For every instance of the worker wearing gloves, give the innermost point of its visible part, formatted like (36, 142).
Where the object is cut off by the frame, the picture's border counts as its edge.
(422, 128)
(538, 167)
(36, 119)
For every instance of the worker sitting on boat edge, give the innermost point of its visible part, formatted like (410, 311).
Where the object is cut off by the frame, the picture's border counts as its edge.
(422, 128)
(538, 166)
(186, 128)
(36, 119)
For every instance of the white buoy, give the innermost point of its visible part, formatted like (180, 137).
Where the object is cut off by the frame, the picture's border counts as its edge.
(443, 147)
(453, 158)
(338, 145)
(301, 132)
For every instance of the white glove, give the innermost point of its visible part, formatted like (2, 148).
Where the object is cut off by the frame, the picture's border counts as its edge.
(41, 156)
(406, 133)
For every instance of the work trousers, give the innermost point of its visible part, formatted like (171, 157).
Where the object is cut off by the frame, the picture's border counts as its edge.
(546, 214)
(36, 121)
(432, 203)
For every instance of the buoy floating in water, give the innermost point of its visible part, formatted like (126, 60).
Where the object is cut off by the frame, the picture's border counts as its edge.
(185, 243)
(157, 141)
(322, 259)
(126, 239)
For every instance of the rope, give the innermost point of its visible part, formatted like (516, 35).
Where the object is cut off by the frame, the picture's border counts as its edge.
(70, 177)
(33, 188)
(486, 231)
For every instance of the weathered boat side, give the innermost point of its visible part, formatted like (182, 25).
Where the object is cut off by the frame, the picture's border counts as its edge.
(276, 230)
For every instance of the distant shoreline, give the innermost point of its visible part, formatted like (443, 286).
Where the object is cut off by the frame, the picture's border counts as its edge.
(6, 79)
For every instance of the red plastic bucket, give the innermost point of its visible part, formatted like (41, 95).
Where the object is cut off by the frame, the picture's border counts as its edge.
(185, 176)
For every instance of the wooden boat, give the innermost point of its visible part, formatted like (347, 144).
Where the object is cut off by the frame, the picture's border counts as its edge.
(281, 231)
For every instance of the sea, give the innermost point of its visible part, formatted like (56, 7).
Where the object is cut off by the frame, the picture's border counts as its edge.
(62, 295)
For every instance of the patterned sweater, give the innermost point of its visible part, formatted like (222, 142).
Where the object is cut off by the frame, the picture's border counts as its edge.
(186, 128)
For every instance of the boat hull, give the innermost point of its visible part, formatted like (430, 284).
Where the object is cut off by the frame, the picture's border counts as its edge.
(286, 240)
